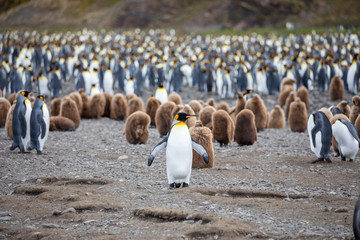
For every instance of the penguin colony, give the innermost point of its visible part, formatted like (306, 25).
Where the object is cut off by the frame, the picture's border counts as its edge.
(110, 72)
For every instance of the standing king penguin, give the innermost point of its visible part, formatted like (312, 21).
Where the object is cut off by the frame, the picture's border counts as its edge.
(179, 155)
(21, 122)
(39, 125)
(347, 138)
(319, 129)
(161, 94)
(356, 220)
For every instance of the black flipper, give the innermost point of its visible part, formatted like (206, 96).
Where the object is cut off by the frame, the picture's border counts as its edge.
(23, 124)
(42, 126)
(160, 146)
(200, 150)
(356, 220)
(352, 129)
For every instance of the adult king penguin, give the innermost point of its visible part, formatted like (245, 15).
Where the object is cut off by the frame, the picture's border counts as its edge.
(356, 220)
(21, 122)
(179, 155)
(319, 129)
(161, 94)
(347, 138)
(39, 125)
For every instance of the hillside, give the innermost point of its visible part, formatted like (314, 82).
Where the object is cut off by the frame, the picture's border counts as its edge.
(185, 15)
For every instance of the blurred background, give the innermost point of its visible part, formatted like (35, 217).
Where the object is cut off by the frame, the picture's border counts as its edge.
(184, 15)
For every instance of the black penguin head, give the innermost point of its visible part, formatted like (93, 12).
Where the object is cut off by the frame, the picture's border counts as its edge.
(161, 85)
(25, 93)
(183, 116)
(42, 97)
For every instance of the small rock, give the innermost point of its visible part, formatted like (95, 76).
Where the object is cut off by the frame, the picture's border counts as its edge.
(188, 201)
(341, 210)
(2, 237)
(188, 217)
(206, 203)
(123, 157)
(55, 213)
(328, 209)
(5, 218)
(69, 210)
(50, 225)
(249, 205)
(6, 213)
(89, 221)
(245, 167)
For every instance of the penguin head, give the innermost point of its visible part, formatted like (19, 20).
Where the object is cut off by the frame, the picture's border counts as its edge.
(25, 93)
(183, 116)
(42, 97)
(161, 85)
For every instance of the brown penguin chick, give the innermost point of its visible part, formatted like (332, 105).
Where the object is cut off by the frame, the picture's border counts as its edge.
(298, 116)
(357, 125)
(284, 94)
(202, 135)
(32, 101)
(287, 82)
(276, 118)
(206, 116)
(130, 96)
(245, 128)
(12, 97)
(1, 93)
(196, 106)
(152, 104)
(135, 104)
(222, 127)
(190, 122)
(211, 102)
(257, 106)
(108, 98)
(176, 110)
(240, 103)
(175, 98)
(60, 123)
(69, 109)
(355, 110)
(345, 107)
(202, 103)
(289, 100)
(97, 106)
(333, 140)
(86, 105)
(8, 123)
(55, 107)
(4, 109)
(137, 128)
(76, 97)
(303, 94)
(327, 112)
(336, 88)
(118, 107)
(224, 106)
(164, 118)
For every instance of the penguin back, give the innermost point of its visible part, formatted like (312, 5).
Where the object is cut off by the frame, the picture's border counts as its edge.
(245, 128)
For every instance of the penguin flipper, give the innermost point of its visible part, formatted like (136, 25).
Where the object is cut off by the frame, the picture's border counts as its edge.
(23, 125)
(356, 220)
(200, 150)
(160, 146)
(313, 134)
(42, 125)
(351, 128)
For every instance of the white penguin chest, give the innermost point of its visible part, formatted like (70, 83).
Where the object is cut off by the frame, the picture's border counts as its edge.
(346, 142)
(315, 147)
(161, 95)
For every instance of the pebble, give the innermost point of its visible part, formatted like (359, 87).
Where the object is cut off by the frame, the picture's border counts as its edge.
(341, 210)
(50, 225)
(5, 218)
(206, 203)
(123, 157)
(69, 210)
(5, 213)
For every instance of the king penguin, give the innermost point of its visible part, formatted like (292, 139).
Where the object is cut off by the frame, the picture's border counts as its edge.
(179, 155)
(356, 220)
(161, 94)
(39, 125)
(21, 122)
(320, 134)
(347, 138)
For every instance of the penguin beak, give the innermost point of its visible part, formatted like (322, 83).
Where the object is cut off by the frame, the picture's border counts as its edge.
(189, 116)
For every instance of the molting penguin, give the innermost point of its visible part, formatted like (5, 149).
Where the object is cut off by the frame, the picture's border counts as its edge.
(39, 125)
(161, 94)
(240, 103)
(276, 118)
(21, 122)
(137, 128)
(222, 127)
(245, 128)
(118, 107)
(297, 116)
(257, 106)
(345, 107)
(152, 106)
(163, 118)
(202, 135)
(319, 129)
(179, 155)
(347, 139)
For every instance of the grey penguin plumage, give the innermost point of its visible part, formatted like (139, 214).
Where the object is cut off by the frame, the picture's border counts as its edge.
(356, 220)
(39, 125)
(179, 145)
(320, 134)
(347, 138)
(21, 122)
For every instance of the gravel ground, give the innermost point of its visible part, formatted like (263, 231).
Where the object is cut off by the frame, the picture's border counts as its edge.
(92, 184)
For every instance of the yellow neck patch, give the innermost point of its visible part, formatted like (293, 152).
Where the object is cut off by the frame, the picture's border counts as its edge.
(180, 124)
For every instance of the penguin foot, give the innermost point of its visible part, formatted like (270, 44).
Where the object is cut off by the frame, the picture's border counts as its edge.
(177, 185)
(328, 160)
(185, 184)
(317, 160)
(39, 152)
(351, 160)
(337, 154)
(343, 158)
(172, 186)
(12, 148)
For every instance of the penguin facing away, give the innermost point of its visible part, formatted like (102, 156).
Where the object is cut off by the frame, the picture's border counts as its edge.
(21, 122)
(347, 139)
(179, 155)
(320, 133)
(356, 220)
(39, 125)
